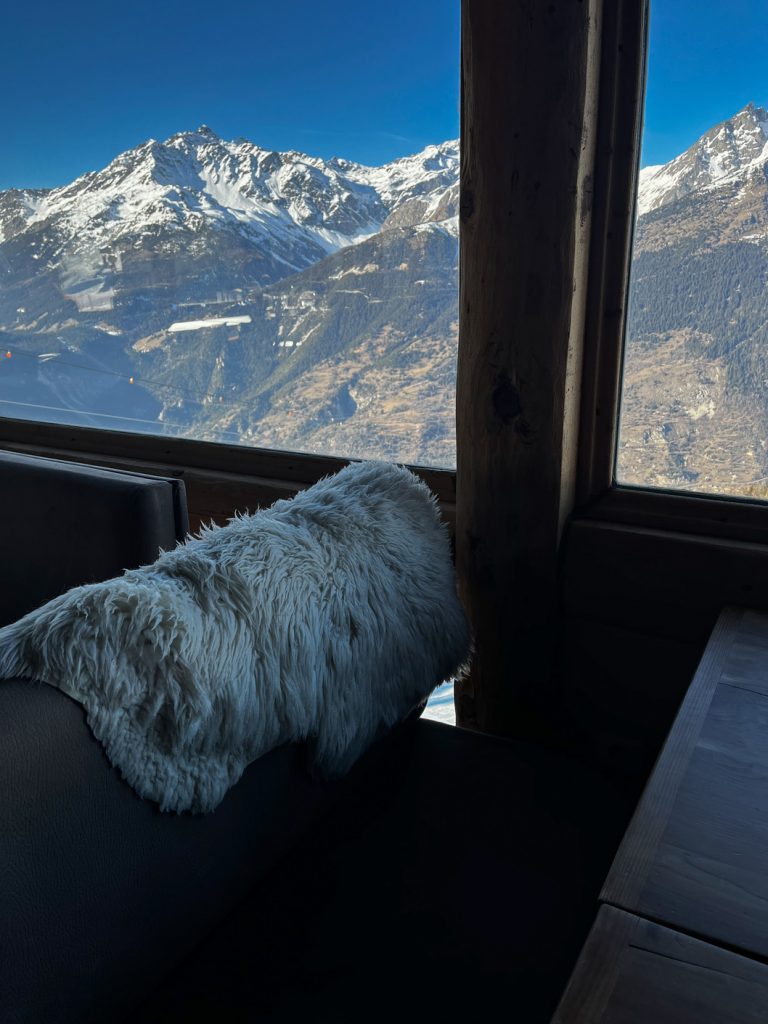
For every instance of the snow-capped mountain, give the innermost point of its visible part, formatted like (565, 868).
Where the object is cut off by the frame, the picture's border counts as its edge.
(183, 221)
(730, 153)
(213, 288)
(694, 410)
(302, 206)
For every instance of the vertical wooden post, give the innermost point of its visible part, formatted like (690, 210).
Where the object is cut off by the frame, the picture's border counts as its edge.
(529, 79)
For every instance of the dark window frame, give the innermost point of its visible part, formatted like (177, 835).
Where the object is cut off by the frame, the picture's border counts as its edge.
(599, 496)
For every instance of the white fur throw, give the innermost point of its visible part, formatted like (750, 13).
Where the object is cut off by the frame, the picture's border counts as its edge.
(327, 617)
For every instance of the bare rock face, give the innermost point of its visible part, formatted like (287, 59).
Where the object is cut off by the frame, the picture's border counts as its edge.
(443, 205)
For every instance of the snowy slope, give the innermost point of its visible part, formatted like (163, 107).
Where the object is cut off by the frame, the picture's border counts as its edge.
(735, 151)
(300, 206)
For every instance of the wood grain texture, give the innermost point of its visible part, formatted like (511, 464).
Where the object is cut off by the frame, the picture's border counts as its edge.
(695, 854)
(639, 606)
(634, 858)
(529, 75)
(632, 971)
(658, 582)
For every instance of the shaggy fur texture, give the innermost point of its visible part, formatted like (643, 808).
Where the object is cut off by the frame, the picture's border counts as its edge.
(327, 617)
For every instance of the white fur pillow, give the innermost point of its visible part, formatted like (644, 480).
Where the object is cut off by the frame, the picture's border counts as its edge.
(326, 618)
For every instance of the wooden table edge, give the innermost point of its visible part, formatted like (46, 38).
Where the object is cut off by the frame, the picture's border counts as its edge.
(629, 871)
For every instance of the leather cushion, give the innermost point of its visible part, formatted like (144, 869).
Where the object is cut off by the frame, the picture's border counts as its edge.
(100, 893)
(63, 524)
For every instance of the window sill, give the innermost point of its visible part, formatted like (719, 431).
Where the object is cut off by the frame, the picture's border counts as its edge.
(219, 479)
(727, 519)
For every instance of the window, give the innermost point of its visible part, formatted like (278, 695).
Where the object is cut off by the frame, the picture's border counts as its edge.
(694, 414)
(285, 278)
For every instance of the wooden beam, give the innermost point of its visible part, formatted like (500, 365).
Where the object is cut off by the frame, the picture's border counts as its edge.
(529, 83)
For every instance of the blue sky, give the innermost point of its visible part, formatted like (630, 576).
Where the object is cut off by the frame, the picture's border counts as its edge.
(708, 59)
(366, 80)
(370, 81)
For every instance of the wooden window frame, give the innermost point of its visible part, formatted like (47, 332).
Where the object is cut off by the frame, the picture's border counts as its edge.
(558, 564)
(644, 573)
(220, 479)
(599, 497)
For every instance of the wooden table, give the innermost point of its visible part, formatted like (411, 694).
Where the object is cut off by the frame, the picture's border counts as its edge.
(632, 970)
(695, 856)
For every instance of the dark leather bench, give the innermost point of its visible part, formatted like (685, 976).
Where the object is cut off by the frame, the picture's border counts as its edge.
(100, 893)
(443, 853)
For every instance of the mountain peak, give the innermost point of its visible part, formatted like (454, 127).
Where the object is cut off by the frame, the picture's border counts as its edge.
(728, 153)
(297, 206)
(759, 113)
(204, 134)
(751, 115)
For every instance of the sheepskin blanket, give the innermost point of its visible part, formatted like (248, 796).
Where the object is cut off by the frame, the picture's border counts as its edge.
(326, 618)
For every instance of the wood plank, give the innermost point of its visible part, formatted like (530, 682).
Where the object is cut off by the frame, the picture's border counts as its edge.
(659, 582)
(748, 664)
(708, 874)
(628, 875)
(186, 452)
(529, 79)
(633, 971)
(694, 855)
(620, 690)
(705, 515)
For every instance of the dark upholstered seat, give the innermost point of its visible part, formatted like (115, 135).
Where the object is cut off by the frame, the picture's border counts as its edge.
(100, 893)
(444, 852)
(455, 881)
(63, 524)
(98, 890)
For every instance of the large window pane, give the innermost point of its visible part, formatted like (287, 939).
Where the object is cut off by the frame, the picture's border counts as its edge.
(285, 278)
(694, 413)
